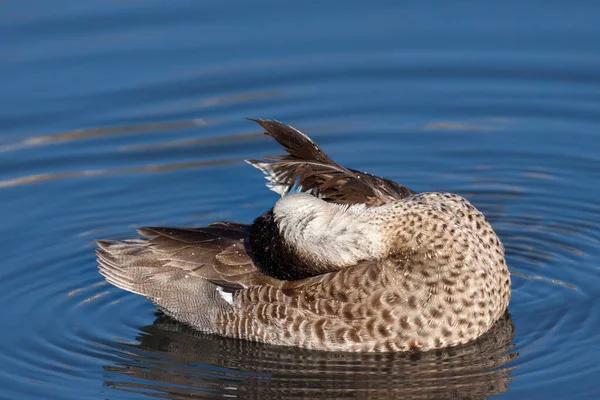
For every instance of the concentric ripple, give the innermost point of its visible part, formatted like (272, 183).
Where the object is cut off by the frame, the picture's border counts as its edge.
(115, 115)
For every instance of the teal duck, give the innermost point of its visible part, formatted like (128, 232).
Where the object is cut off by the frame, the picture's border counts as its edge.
(344, 261)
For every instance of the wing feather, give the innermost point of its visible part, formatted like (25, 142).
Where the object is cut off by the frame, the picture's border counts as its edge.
(308, 169)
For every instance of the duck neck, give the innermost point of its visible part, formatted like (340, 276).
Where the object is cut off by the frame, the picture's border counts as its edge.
(304, 236)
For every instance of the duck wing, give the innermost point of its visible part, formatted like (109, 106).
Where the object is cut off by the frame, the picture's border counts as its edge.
(306, 168)
(216, 253)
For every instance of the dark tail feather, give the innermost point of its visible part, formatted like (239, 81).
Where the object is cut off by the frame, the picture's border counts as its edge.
(308, 169)
(286, 174)
(296, 143)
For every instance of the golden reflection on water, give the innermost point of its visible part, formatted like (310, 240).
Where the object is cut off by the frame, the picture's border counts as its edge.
(477, 125)
(82, 133)
(112, 171)
(115, 130)
(76, 134)
(554, 281)
(191, 142)
(238, 97)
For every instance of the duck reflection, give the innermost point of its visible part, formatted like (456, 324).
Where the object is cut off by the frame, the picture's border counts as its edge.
(173, 361)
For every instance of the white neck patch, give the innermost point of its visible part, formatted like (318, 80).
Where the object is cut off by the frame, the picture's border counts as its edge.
(332, 235)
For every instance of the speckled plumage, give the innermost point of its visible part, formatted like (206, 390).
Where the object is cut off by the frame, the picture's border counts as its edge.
(360, 264)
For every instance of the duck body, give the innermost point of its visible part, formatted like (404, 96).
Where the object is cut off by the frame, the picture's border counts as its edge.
(344, 261)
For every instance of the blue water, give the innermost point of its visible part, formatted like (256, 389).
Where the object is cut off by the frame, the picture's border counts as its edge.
(119, 114)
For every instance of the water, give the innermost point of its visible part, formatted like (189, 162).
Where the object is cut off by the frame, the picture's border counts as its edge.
(119, 114)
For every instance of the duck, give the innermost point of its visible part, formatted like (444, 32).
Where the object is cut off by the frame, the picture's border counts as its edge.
(343, 261)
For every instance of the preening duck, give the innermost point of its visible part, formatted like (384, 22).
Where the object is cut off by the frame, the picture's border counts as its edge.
(344, 261)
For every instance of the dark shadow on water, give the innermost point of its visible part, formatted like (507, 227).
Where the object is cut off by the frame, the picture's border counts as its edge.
(174, 362)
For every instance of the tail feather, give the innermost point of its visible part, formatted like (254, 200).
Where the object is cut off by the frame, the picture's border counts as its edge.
(308, 169)
(132, 265)
(296, 143)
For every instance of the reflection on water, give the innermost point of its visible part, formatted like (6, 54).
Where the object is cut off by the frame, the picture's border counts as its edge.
(102, 131)
(175, 362)
(113, 171)
(120, 114)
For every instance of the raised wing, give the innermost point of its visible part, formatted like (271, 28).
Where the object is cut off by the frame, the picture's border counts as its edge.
(308, 169)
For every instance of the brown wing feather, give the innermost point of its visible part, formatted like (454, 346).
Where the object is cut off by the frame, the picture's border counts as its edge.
(307, 168)
(216, 253)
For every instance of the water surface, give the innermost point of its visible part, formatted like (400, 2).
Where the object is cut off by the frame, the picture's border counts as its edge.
(120, 114)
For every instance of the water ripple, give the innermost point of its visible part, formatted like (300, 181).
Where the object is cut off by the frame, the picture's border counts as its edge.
(513, 129)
